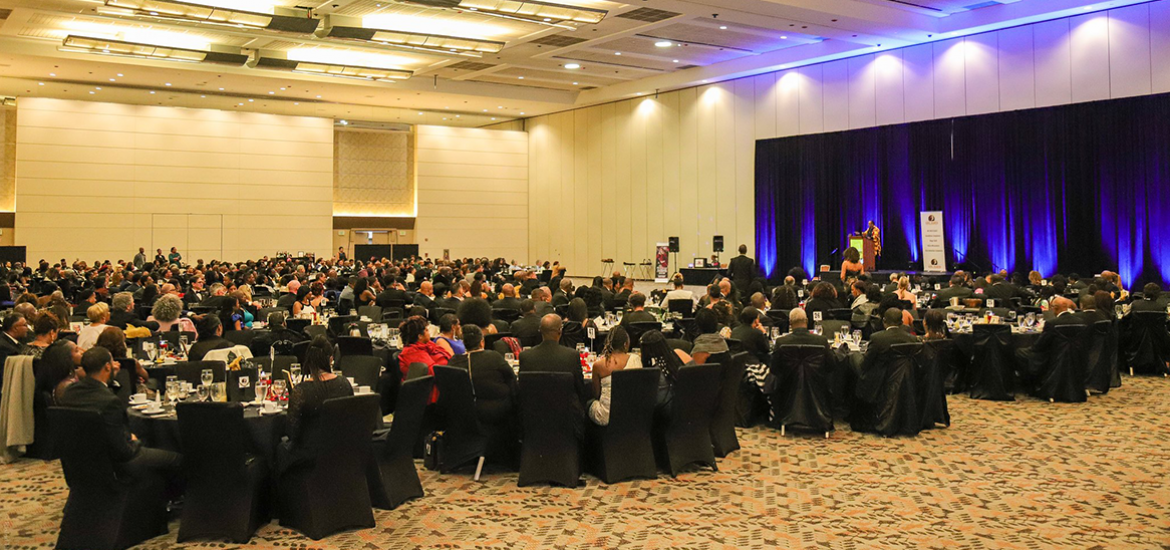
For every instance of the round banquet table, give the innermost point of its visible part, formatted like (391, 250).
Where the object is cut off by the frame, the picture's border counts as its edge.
(1020, 340)
(162, 432)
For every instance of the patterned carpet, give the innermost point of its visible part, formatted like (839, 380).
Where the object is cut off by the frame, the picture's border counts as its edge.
(1022, 475)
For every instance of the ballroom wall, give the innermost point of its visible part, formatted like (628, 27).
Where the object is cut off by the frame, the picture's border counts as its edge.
(98, 180)
(472, 192)
(611, 180)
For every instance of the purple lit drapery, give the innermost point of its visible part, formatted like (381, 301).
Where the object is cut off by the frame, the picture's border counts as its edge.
(1077, 188)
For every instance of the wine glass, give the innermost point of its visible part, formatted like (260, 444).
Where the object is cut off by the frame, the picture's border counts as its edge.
(857, 337)
(207, 376)
(150, 351)
(509, 357)
(278, 388)
(183, 342)
(294, 371)
(204, 391)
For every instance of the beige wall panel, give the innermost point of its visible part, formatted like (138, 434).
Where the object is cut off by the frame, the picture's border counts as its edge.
(83, 138)
(503, 145)
(97, 155)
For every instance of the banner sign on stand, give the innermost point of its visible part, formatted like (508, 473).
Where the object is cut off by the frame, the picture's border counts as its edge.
(662, 263)
(934, 255)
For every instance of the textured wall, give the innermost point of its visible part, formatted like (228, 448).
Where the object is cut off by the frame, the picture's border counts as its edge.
(373, 173)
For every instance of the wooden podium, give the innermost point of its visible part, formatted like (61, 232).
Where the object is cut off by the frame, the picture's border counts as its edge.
(867, 252)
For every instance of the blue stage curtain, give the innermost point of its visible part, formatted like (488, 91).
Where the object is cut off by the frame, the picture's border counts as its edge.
(1076, 188)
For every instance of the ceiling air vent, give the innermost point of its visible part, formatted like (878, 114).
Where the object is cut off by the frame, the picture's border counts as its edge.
(685, 67)
(558, 40)
(4, 14)
(588, 88)
(471, 66)
(648, 15)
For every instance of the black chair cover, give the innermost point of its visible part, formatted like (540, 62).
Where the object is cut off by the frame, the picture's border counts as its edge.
(932, 375)
(373, 313)
(802, 398)
(723, 420)
(106, 508)
(337, 325)
(354, 345)
(637, 329)
(888, 395)
(313, 331)
(394, 479)
(192, 371)
(330, 493)
(240, 337)
(684, 438)
(505, 314)
(225, 483)
(364, 369)
(779, 319)
(685, 307)
(489, 340)
(241, 384)
(1061, 373)
(551, 447)
(841, 314)
(1099, 370)
(298, 325)
(299, 350)
(623, 449)
(1146, 343)
(990, 373)
(946, 353)
(463, 440)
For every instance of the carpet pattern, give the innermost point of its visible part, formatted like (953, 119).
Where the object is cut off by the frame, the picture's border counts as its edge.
(1018, 475)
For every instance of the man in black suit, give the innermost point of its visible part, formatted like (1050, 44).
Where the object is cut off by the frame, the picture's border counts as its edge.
(209, 337)
(509, 301)
(425, 296)
(1063, 310)
(122, 313)
(93, 392)
(1000, 290)
(881, 342)
(195, 293)
(742, 269)
(956, 290)
(637, 313)
(15, 329)
(750, 334)
(527, 327)
(623, 297)
(393, 292)
(85, 298)
(563, 294)
(551, 356)
(542, 301)
(800, 335)
(1151, 299)
(607, 294)
(277, 332)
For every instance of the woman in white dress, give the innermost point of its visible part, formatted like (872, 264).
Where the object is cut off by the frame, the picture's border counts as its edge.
(616, 356)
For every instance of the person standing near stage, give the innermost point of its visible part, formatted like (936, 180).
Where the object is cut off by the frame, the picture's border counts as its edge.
(742, 269)
(874, 234)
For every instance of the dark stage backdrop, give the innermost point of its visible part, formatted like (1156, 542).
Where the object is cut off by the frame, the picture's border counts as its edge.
(1077, 188)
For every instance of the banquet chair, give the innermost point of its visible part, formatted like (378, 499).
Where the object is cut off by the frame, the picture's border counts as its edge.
(192, 371)
(637, 329)
(1101, 354)
(263, 313)
(225, 484)
(680, 344)
(840, 314)
(364, 369)
(833, 326)
(241, 384)
(723, 437)
(888, 395)
(551, 447)
(313, 331)
(298, 325)
(622, 449)
(1061, 373)
(438, 313)
(299, 350)
(329, 492)
(489, 340)
(373, 313)
(240, 337)
(685, 437)
(396, 314)
(990, 373)
(1146, 343)
(393, 479)
(463, 441)
(931, 377)
(338, 323)
(802, 399)
(417, 370)
(505, 314)
(684, 306)
(276, 366)
(354, 345)
(106, 507)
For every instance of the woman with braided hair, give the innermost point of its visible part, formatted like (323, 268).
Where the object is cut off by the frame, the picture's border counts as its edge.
(614, 357)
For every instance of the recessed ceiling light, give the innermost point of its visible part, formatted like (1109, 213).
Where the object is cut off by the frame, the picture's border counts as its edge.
(546, 19)
(447, 107)
(92, 92)
(40, 83)
(485, 110)
(221, 89)
(493, 118)
(296, 103)
(783, 38)
(1087, 8)
(574, 83)
(444, 118)
(617, 53)
(704, 82)
(664, 43)
(282, 89)
(420, 113)
(722, 27)
(639, 93)
(521, 112)
(675, 60)
(251, 100)
(271, 93)
(52, 74)
(203, 97)
(318, 97)
(97, 88)
(473, 9)
(521, 78)
(500, 107)
(113, 80)
(119, 74)
(457, 116)
(241, 104)
(572, 66)
(168, 83)
(152, 91)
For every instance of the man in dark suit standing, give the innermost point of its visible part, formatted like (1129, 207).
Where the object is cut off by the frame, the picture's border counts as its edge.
(742, 269)
(551, 356)
(527, 327)
(93, 392)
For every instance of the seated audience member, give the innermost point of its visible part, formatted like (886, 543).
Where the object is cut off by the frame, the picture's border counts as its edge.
(708, 341)
(894, 333)
(418, 348)
(824, 299)
(1151, 299)
(576, 329)
(114, 340)
(45, 328)
(278, 331)
(750, 334)
(616, 356)
(1089, 309)
(93, 392)
(637, 312)
(167, 311)
(800, 334)
(550, 356)
(935, 323)
(60, 366)
(678, 292)
(495, 394)
(451, 335)
(85, 298)
(305, 400)
(527, 327)
(656, 353)
(563, 294)
(478, 312)
(122, 313)
(208, 336)
(99, 315)
(724, 315)
(509, 300)
(958, 289)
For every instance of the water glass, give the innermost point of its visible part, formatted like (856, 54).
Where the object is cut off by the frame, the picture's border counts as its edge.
(204, 392)
(278, 388)
(294, 372)
(580, 348)
(183, 342)
(819, 330)
(207, 376)
(857, 337)
(863, 346)
(509, 357)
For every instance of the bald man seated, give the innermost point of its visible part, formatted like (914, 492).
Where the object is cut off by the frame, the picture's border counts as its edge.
(550, 356)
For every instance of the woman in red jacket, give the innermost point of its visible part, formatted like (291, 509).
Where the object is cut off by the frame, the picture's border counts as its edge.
(420, 349)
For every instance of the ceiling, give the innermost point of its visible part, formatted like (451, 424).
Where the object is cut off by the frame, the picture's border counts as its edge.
(542, 64)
